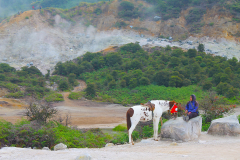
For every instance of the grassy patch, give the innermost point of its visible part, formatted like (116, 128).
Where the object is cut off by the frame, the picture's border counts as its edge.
(76, 95)
(120, 127)
(54, 97)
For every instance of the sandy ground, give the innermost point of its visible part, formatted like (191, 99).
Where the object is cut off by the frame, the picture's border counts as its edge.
(207, 147)
(84, 113)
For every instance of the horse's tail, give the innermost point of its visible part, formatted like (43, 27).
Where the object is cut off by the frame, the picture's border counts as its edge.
(128, 115)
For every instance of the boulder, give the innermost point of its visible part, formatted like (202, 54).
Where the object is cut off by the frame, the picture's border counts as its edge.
(45, 148)
(84, 157)
(109, 145)
(60, 146)
(180, 130)
(225, 126)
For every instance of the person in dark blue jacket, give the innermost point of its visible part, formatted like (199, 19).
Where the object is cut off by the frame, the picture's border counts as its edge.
(191, 108)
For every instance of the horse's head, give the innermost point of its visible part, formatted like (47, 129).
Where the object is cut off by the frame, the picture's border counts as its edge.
(171, 104)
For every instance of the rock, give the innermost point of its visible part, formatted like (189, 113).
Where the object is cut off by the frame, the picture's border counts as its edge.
(5, 59)
(109, 145)
(60, 146)
(157, 18)
(181, 130)
(45, 148)
(225, 126)
(85, 156)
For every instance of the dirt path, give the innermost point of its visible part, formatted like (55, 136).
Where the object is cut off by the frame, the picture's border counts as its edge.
(207, 148)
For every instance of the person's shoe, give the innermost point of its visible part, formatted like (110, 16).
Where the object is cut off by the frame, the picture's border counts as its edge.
(187, 119)
(184, 118)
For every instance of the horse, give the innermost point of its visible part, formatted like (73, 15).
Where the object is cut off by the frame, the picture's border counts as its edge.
(146, 112)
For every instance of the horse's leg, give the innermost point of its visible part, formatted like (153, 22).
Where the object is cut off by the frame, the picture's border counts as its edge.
(161, 121)
(134, 124)
(155, 126)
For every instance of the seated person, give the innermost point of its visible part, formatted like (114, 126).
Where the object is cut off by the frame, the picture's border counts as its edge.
(191, 108)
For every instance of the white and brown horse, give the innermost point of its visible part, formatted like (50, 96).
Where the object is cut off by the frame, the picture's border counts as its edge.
(150, 111)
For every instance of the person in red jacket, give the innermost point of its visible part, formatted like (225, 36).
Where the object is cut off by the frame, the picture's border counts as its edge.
(174, 111)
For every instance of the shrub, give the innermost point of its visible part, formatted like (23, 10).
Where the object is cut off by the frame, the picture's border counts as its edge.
(76, 95)
(120, 139)
(201, 47)
(120, 127)
(120, 24)
(97, 11)
(214, 106)
(2, 77)
(211, 24)
(125, 5)
(26, 17)
(54, 97)
(41, 113)
(90, 90)
(15, 95)
(63, 85)
(207, 85)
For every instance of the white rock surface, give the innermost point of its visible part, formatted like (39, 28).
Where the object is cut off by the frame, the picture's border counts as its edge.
(225, 126)
(60, 146)
(180, 130)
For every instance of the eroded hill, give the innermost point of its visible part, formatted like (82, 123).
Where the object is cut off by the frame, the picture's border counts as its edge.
(50, 35)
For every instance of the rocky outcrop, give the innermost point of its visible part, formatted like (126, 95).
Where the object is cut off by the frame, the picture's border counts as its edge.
(225, 126)
(180, 130)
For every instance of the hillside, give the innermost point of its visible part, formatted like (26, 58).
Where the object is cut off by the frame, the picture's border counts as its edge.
(50, 35)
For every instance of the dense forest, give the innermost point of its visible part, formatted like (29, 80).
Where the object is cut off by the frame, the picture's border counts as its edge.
(132, 75)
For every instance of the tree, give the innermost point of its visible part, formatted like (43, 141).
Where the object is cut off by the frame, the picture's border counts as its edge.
(207, 85)
(125, 5)
(112, 84)
(2, 77)
(175, 81)
(90, 90)
(41, 113)
(48, 74)
(144, 81)
(162, 78)
(222, 88)
(201, 48)
(71, 78)
(192, 53)
(133, 83)
(63, 85)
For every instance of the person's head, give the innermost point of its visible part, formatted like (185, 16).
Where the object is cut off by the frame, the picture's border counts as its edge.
(192, 97)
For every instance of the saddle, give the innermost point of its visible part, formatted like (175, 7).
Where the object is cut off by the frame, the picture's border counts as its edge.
(150, 106)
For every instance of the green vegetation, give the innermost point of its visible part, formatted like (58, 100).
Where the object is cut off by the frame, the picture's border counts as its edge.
(120, 127)
(29, 81)
(26, 134)
(54, 97)
(132, 75)
(76, 95)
